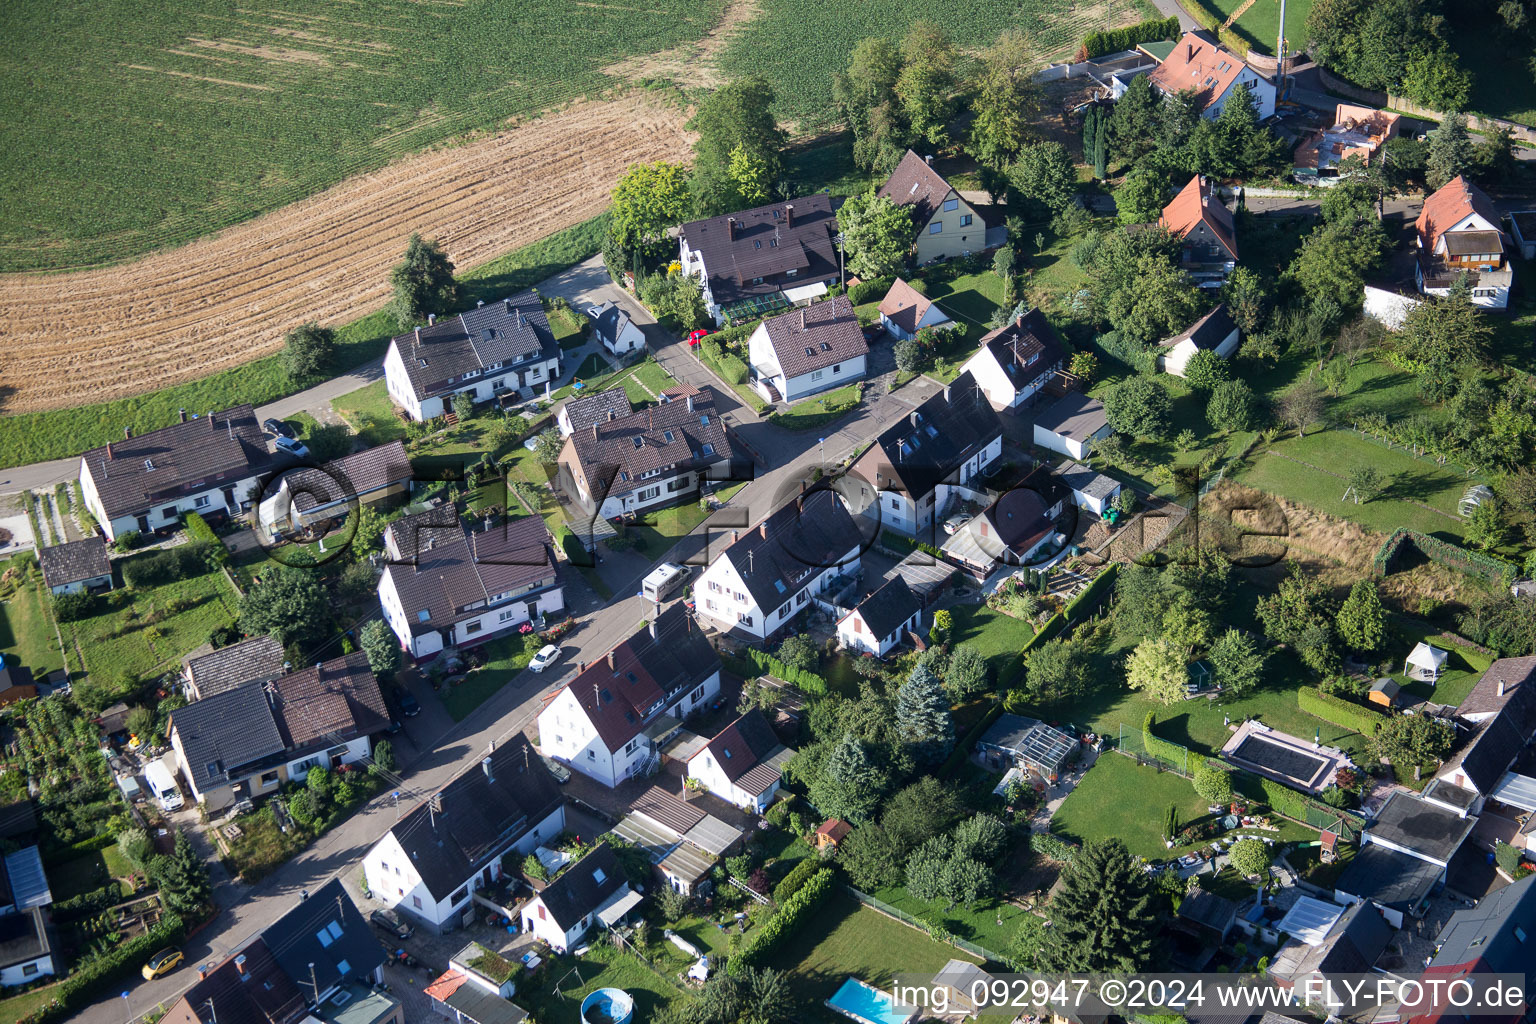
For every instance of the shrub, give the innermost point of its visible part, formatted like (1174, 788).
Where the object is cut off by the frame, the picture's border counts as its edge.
(1169, 753)
(796, 879)
(168, 565)
(201, 533)
(1356, 717)
(1489, 567)
(767, 664)
(870, 291)
(88, 904)
(72, 607)
(1052, 846)
(792, 915)
(1097, 44)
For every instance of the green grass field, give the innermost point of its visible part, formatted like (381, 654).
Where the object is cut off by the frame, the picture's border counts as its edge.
(1259, 25)
(506, 659)
(819, 411)
(370, 414)
(26, 628)
(997, 636)
(120, 641)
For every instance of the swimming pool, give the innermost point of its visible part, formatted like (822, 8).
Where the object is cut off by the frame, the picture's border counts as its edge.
(866, 1003)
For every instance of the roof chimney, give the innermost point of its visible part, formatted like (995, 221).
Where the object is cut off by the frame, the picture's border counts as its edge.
(183, 414)
(507, 305)
(581, 667)
(240, 963)
(916, 418)
(480, 304)
(946, 394)
(1191, 55)
(653, 627)
(762, 529)
(690, 403)
(485, 766)
(127, 433)
(789, 213)
(735, 536)
(928, 159)
(110, 453)
(802, 318)
(612, 415)
(594, 431)
(418, 336)
(730, 229)
(613, 661)
(1501, 687)
(431, 319)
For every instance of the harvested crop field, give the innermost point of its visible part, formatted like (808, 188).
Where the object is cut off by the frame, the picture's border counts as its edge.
(95, 335)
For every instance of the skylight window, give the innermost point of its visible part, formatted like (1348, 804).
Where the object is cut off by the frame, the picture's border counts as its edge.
(778, 585)
(149, 464)
(345, 967)
(726, 751)
(424, 615)
(703, 421)
(933, 431)
(757, 244)
(598, 876)
(667, 434)
(707, 449)
(631, 677)
(639, 441)
(324, 937)
(607, 697)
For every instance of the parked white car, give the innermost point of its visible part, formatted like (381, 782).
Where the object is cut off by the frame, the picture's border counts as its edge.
(545, 658)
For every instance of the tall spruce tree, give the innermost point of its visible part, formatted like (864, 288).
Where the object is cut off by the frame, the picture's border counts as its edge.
(1103, 918)
(922, 716)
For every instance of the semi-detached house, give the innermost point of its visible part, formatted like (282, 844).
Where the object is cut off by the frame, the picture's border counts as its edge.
(752, 261)
(448, 586)
(611, 721)
(431, 862)
(770, 574)
(211, 465)
(499, 348)
(807, 350)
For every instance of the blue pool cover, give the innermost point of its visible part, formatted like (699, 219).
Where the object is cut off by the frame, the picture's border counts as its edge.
(864, 1002)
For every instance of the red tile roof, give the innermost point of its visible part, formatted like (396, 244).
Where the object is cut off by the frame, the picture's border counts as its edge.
(905, 306)
(1197, 63)
(835, 829)
(1454, 201)
(1196, 203)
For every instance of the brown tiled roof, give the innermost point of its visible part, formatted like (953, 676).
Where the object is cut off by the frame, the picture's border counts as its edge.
(460, 569)
(765, 242)
(612, 456)
(919, 451)
(1515, 673)
(905, 306)
(835, 829)
(259, 657)
(337, 700)
(742, 745)
(357, 476)
(1197, 203)
(1198, 63)
(262, 994)
(1456, 200)
(75, 561)
(413, 533)
(1208, 332)
(816, 336)
(1024, 348)
(503, 334)
(914, 183)
(586, 410)
(140, 473)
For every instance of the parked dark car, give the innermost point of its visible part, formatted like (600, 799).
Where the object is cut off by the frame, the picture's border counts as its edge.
(410, 707)
(390, 923)
(874, 332)
(277, 428)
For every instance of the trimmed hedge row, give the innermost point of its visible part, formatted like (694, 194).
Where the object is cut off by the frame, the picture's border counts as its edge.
(98, 975)
(767, 664)
(1355, 717)
(905, 545)
(168, 565)
(201, 533)
(957, 756)
(871, 291)
(65, 854)
(89, 904)
(792, 915)
(730, 368)
(796, 879)
(1089, 600)
(1452, 556)
(1162, 749)
(1097, 44)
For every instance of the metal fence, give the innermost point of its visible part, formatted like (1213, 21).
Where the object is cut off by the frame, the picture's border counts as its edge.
(933, 931)
(1163, 755)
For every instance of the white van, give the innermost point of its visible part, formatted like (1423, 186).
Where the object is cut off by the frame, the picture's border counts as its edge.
(663, 581)
(162, 786)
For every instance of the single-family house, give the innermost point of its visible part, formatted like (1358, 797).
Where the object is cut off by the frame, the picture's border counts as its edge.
(649, 459)
(211, 465)
(454, 587)
(768, 575)
(26, 933)
(947, 224)
(612, 720)
(438, 853)
(16, 683)
(681, 840)
(590, 892)
(318, 962)
(1459, 237)
(879, 623)
(1356, 132)
(906, 480)
(208, 671)
(246, 742)
(1029, 745)
(1501, 712)
(75, 566)
(754, 261)
(476, 988)
(742, 764)
(904, 311)
(579, 412)
(1403, 854)
(496, 349)
(964, 987)
(1016, 361)
(309, 498)
(1329, 941)
(807, 350)
(1215, 332)
(1198, 62)
(1091, 490)
(1492, 937)
(1071, 424)
(1199, 217)
(616, 330)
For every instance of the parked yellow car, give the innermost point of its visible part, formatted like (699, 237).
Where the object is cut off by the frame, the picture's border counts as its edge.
(163, 963)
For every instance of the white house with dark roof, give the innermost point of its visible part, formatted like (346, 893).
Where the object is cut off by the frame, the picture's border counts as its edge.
(907, 478)
(742, 764)
(904, 311)
(591, 892)
(610, 722)
(448, 586)
(807, 350)
(497, 348)
(208, 671)
(1202, 221)
(616, 330)
(1013, 529)
(768, 575)
(882, 620)
(653, 458)
(1215, 332)
(1500, 712)
(579, 412)
(211, 465)
(769, 257)
(947, 224)
(75, 566)
(1071, 424)
(306, 497)
(1016, 361)
(1404, 852)
(1091, 490)
(429, 864)
(26, 941)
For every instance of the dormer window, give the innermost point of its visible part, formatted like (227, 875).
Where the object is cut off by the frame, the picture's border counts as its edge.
(421, 362)
(707, 449)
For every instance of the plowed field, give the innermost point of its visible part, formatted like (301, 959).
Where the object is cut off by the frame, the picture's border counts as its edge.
(94, 335)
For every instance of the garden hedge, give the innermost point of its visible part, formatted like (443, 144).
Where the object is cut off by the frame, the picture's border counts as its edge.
(1355, 717)
(1172, 753)
(730, 367)
(1052, 846)
(870, 291)
(200, 532)
(796, 879)
(89, 904)
(1088, 601)
(957, 757)
(168, 565)
(64, 854)
(1097, 44)
(1489, 567)
(767, 664)
(98, 975)
(792, 915)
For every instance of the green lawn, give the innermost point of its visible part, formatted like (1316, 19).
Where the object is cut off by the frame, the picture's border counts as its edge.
(1463, 668)
(370, 413)
(506, 658)
(650, 373)
(26, 626)
(846, 939)
(143, 632)
(997, 636)
(19, 1007)
(1120, 799)
(990, 925)
(659, 530)
(1259, 25)
(970, 300)
(602, 967)
(819, 411)
(73, 877)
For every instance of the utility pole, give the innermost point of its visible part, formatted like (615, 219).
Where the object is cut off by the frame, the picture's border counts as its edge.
(1280, 58)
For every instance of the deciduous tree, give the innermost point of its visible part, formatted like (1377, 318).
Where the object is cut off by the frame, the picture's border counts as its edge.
(1006, 102)
(649, 199)
(1231, 407)
(1361, 622)
(307, 351)
(1138, 406)
(1157, 667)
(289, 604)
(1044, 174)
(736, 116)
(1237, 663)
(1250, 856)
(926, 84)
(1057, 672)
(1141, 196)
(877, 235)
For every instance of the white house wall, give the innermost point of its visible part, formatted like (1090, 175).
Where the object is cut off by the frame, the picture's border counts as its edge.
(711, 775)
(816, 381)
(482, 388)
(1263, 93)
(17, 974)
(744, 614)
(165, 513)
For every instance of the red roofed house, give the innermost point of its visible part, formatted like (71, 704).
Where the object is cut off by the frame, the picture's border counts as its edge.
(1459, 234)
(743, 763)
(904, 311)
(1198, 63)
(1199, 217)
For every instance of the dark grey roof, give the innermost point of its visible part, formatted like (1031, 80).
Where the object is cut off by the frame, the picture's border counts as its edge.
(610, 322)
(1512, 675)
(1497, 742)
(583, 887)
(740, 746)
(918, 452)
(585, 410)
(14, 676)
(1485, 933)
(1208, 332)
(1387, 877)
(497, 336)
(452, 572)
(1074, 415)
(140, 473)
(684, 432)
(1008, 731)
(23, 937)
(1087, 481)
(478, 817)
(816, 336)
(1024, 348)
(1410, 822)
(413, 534)
(1208, 910)
(887, 608)
(296, 943)
(16, 819)
(1447, 792)
(75, 561)
(482, 1007)
(1355, 941)
(766, 242)
(785, 552)
(258, 657)
(226, 733)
